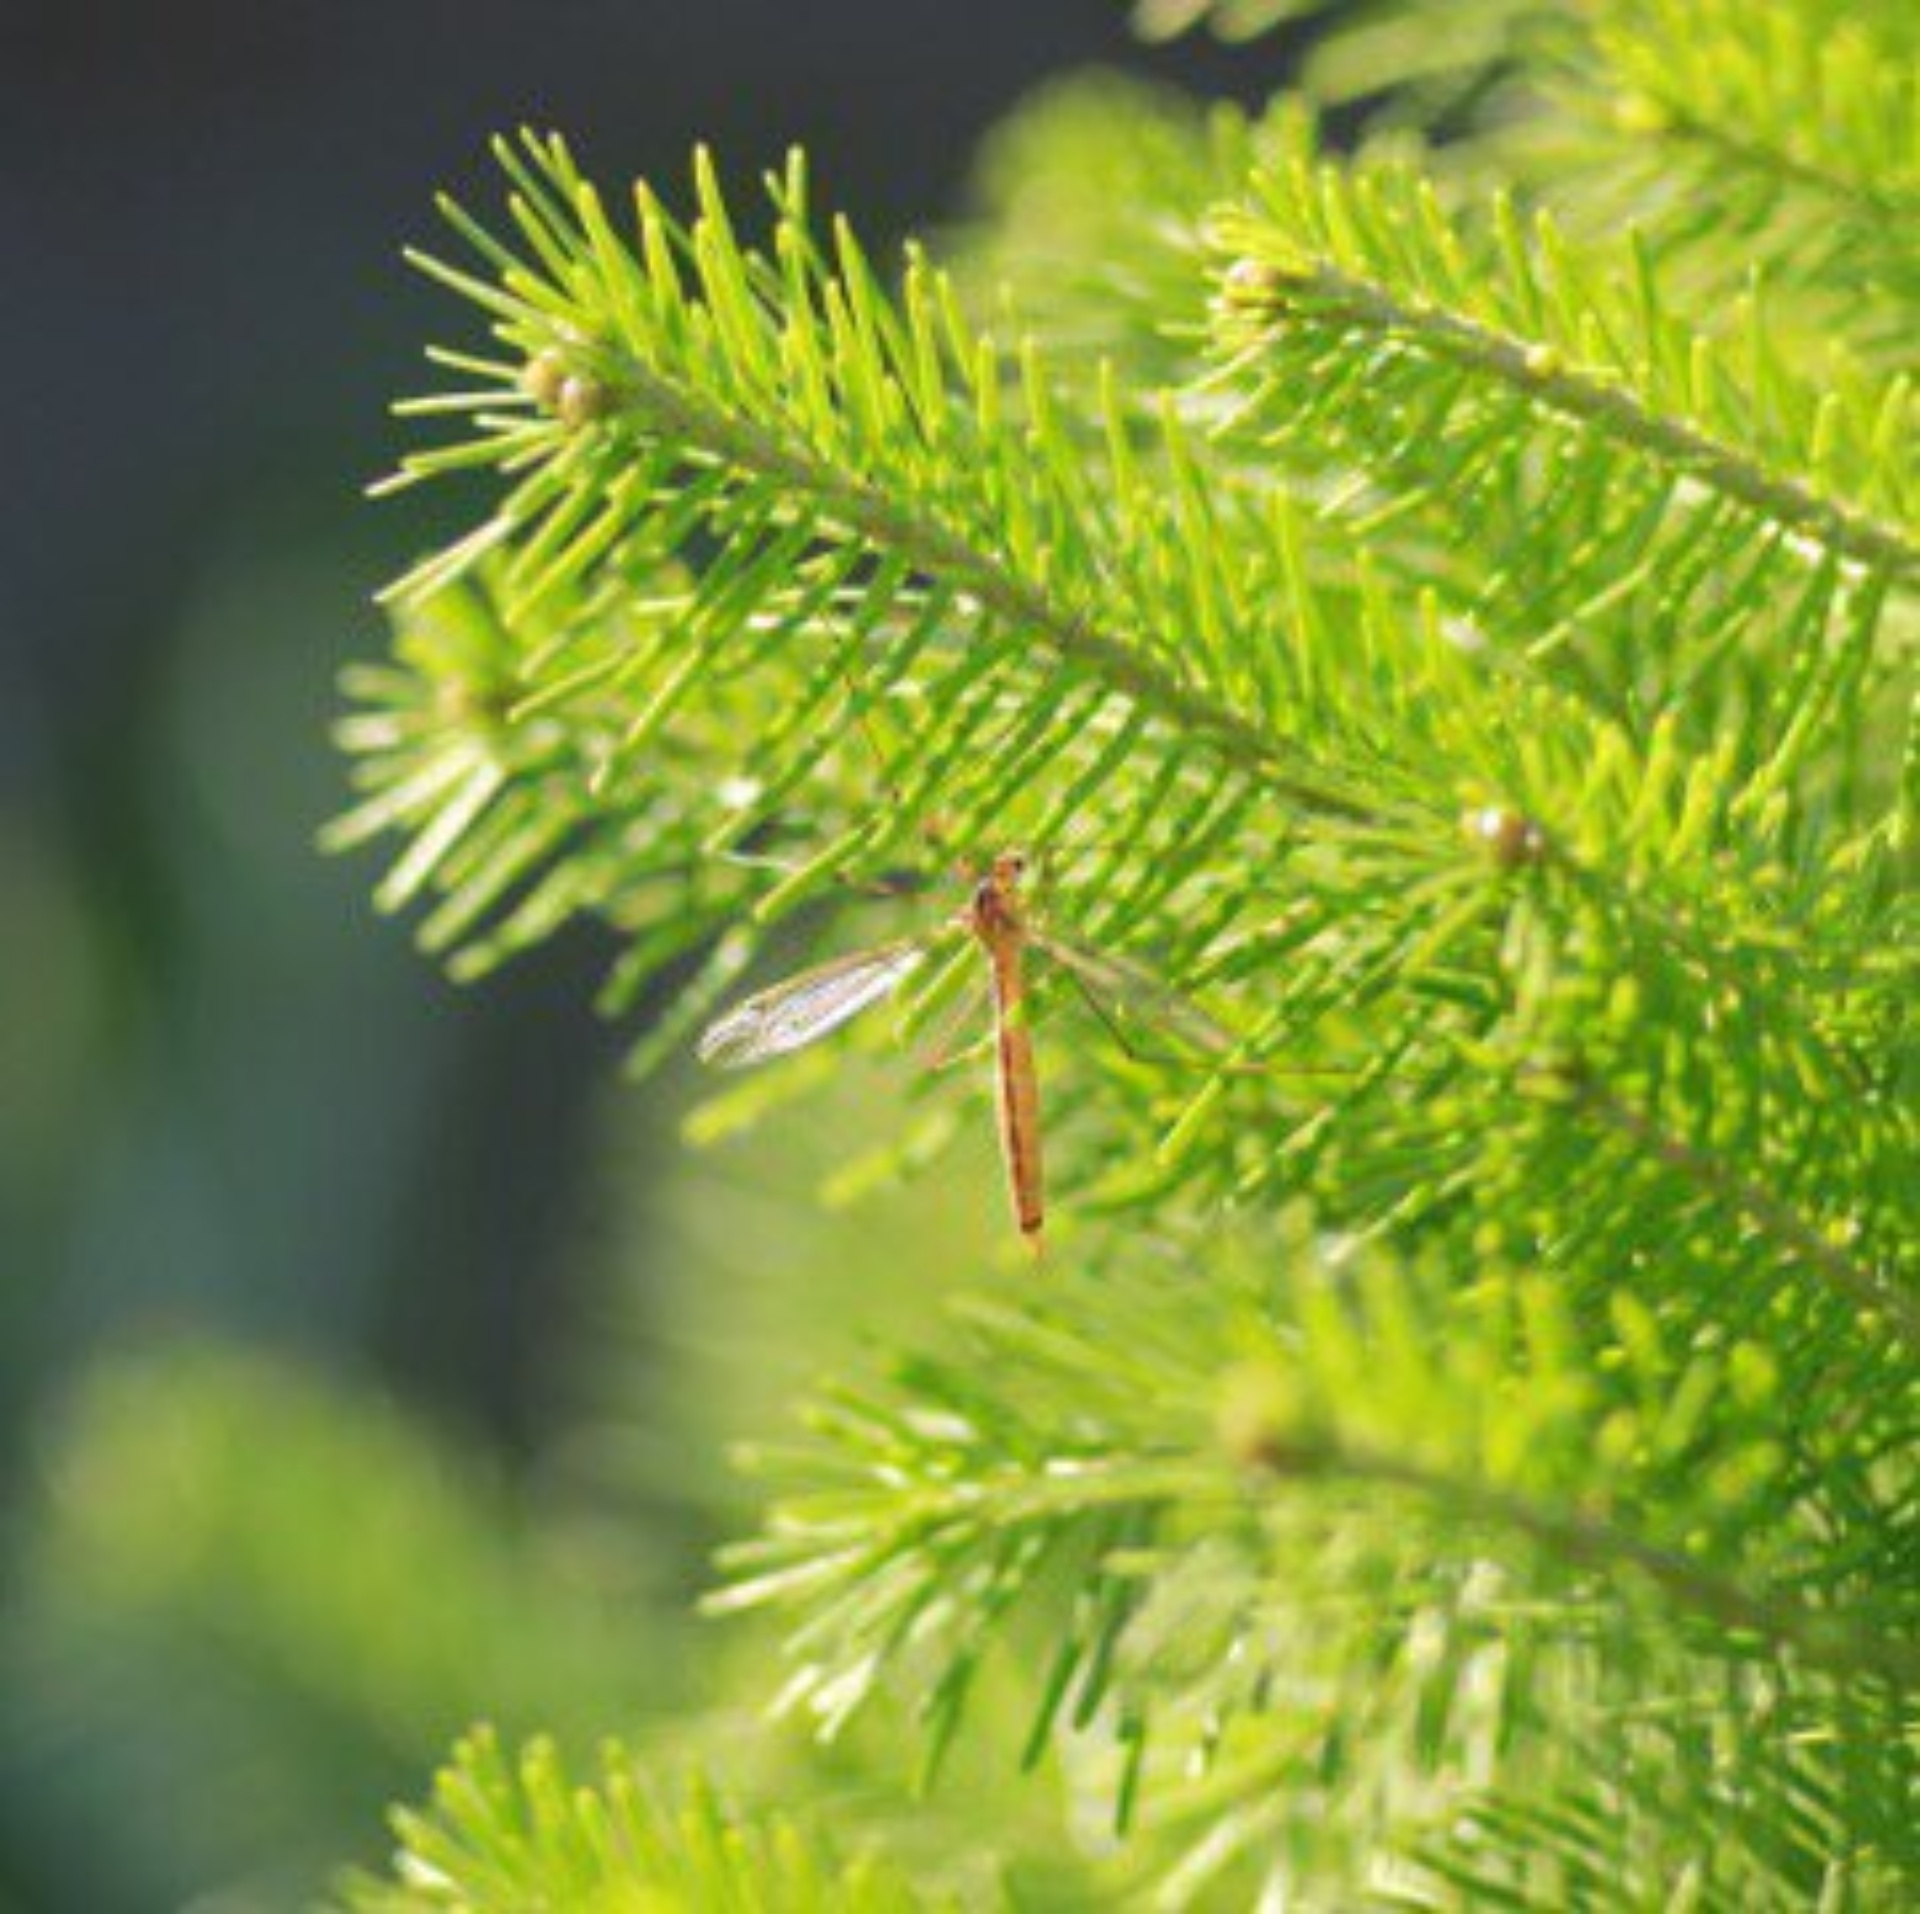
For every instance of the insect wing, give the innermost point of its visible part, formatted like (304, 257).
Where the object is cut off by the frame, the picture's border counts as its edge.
(803, 1009)
(1137, 991)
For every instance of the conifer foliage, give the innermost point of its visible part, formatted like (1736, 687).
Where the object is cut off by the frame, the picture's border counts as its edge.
(1449, 607)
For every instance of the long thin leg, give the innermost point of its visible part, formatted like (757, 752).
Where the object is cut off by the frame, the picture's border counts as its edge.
(866, 886)
(1201, 1066)
(946, 1050)
(931, 828)
(857, 712)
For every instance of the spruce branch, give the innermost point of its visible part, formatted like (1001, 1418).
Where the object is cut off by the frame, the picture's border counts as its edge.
(1370, 263)
(1569, 583)
(1588, 394)
(1205, 1445)
(935, 548)
(1838, 1642)
(1875, 1294)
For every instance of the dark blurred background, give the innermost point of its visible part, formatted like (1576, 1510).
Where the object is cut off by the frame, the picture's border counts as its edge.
(236, 1110)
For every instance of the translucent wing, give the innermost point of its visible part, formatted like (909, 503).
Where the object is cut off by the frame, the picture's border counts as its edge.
(794, 1014)
(1131, 987)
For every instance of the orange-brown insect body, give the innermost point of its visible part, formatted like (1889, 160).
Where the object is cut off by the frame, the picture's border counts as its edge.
(994, 918)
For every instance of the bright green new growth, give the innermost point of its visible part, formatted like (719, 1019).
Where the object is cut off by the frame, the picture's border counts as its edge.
(1468, 1456)
(503, 1838)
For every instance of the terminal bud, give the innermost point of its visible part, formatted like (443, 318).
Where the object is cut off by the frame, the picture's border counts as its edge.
(1509, 838)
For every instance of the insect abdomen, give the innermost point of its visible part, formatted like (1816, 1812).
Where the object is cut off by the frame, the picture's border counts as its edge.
(1019, 1102)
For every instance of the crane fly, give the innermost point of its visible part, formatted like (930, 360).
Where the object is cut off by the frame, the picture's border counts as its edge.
(804, 1008)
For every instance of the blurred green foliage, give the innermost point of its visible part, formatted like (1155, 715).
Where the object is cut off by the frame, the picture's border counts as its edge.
(251, 1599)
(255, 1601)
